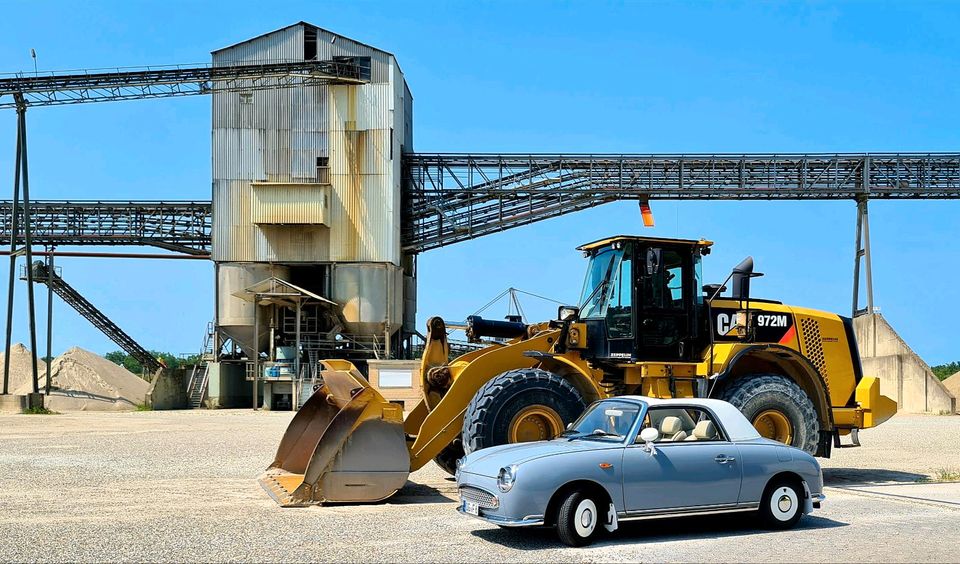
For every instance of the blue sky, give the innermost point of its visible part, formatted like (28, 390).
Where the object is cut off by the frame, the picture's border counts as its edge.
(536, 77)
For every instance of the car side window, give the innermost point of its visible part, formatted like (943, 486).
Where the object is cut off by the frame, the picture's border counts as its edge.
(681, 424)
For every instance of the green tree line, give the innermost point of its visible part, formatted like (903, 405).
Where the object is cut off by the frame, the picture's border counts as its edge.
(944, 371)
(133, 365)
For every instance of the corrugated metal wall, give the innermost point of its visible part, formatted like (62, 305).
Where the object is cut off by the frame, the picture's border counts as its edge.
(277, 136)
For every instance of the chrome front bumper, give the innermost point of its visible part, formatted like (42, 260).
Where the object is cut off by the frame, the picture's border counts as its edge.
(817, 500)
(811, 501)
(528, 521)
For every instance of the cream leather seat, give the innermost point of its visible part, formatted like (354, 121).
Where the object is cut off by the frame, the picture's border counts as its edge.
(671, 430)
(704, 431)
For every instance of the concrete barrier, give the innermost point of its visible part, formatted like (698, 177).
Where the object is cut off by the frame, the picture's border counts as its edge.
(904, 376)
(18, 403)
(168, 390)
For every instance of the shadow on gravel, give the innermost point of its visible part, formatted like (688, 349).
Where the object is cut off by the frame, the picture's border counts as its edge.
(852, 476)
(412, 492)
(712, 527)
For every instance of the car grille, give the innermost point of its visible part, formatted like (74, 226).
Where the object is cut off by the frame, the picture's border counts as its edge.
(483, 499)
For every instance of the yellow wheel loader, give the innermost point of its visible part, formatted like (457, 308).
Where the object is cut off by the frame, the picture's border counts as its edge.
(645, 325)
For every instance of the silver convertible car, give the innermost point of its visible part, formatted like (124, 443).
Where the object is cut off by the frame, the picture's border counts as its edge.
(634, 457)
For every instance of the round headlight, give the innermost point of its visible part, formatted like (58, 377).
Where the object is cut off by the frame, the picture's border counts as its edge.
(506, 478)
(456, 473)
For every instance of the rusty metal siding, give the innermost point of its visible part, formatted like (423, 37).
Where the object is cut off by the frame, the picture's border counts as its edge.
(295, 203)
(278, 136)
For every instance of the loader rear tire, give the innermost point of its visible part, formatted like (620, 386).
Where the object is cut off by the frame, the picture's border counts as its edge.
(531, 397)
(448, 457)
(778, 407)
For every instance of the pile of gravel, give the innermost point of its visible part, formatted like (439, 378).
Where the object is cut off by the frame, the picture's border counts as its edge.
(85, 381)
(20, 369)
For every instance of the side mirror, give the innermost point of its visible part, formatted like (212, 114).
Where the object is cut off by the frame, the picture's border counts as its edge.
(653, 261)
(649, 436)
(568, 313)
(569, 425)
(742, 273)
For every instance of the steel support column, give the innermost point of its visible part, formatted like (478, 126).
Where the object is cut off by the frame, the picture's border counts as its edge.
(256, 350)
(11, 280)
(28, 241)
(49, 358)
(862, 255)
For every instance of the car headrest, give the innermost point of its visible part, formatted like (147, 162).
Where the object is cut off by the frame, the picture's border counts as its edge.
(670, 426)
(705, 430)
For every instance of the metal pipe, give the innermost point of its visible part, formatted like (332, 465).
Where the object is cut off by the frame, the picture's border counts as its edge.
(15, 228)
(28, 244)
(294, 398)
(256, 350)
(86, 254)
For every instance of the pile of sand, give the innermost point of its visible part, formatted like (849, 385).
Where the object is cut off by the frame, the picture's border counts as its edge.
(20, 369)
(953, 384)
(84, 381)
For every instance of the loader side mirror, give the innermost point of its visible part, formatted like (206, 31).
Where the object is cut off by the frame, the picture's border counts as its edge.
(742, 273)
(568, 313)
(653, 261)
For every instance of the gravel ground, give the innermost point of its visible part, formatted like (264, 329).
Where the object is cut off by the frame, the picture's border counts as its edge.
(180, 486)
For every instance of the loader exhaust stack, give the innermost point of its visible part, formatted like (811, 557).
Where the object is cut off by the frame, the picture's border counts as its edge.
(346, 444)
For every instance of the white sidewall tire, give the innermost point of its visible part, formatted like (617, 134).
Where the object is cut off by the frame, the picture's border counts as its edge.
(585, 518)
(784, 503)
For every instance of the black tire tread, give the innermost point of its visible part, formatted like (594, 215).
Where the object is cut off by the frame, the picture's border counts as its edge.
(768, 519)
(565, 527)
(485, 403)
(743, 389)
(447, 459)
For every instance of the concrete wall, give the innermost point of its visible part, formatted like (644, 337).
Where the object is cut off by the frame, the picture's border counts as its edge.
(168, 390)
(904, 376)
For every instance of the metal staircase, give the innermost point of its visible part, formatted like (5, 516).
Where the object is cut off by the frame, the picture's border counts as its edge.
(68, 294)
(200, 375)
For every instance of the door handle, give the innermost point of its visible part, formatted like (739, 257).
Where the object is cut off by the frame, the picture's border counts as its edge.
(723, 459)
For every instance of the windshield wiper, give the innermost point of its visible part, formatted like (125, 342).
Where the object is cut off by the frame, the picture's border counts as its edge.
(595, 433)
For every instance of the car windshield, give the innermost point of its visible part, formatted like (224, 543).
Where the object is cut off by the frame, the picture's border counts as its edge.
(608, 420)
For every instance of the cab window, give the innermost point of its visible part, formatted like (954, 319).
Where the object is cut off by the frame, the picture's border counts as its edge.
(664, 289)
(681, 424)
(619, 312)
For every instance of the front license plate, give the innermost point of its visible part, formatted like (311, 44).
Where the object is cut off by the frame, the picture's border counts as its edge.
(471, 507)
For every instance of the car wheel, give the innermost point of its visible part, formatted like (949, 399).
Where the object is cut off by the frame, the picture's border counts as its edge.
(519, 406)
(447, 459)
(578, 519)
(777, 407)
(782, 504)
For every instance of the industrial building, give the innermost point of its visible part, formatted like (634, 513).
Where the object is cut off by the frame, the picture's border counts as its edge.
(320, 206)
(306, 188)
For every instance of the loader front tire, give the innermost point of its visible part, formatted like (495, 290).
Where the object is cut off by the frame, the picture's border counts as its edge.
(447, 459)
(520, 405)
(777, 407)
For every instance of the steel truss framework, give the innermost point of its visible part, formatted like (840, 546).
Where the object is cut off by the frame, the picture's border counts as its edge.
(76, 87)
(178, 226)
(452, 198)
(455, 197)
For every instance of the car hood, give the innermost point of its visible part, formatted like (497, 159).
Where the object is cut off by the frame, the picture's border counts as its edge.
(489, 461)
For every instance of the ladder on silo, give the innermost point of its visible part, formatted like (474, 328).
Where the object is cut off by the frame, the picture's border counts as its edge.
(99, 320)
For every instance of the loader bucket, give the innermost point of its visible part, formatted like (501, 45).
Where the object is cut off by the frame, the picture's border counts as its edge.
(346, 444)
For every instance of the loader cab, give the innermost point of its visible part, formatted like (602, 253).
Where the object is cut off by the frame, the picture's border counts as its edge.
(641, 298)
